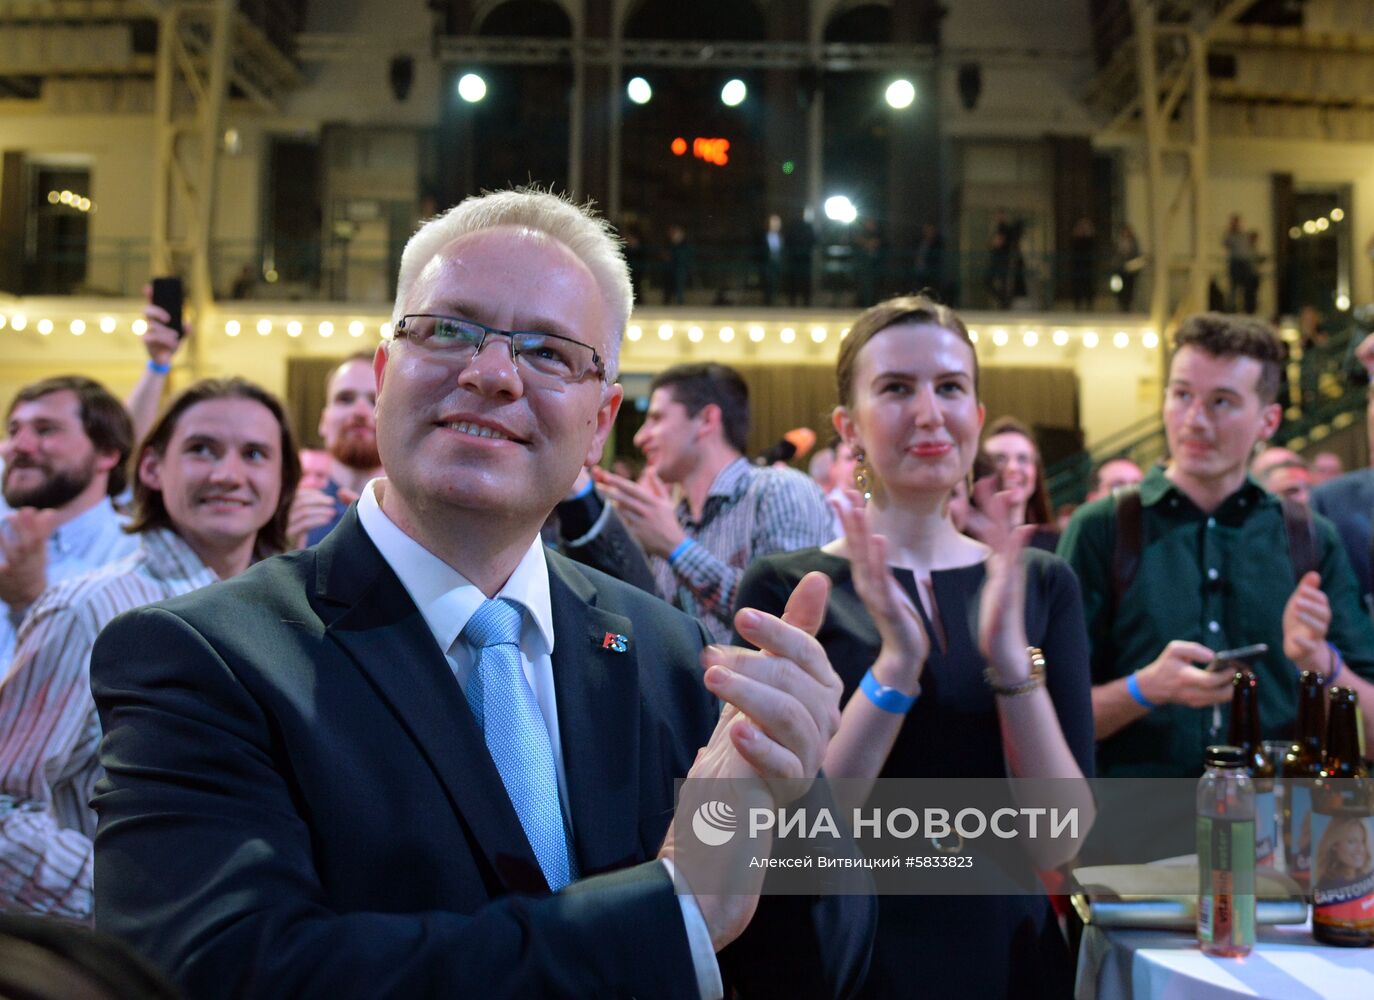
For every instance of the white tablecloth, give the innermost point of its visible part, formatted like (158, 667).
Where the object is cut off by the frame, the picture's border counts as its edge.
(1287, 964)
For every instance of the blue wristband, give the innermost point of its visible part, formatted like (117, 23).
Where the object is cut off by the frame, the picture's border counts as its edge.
(680, 548)
(153, 366)
(1337, 660)
(583, 491)
(887, 698)
(1133, 689)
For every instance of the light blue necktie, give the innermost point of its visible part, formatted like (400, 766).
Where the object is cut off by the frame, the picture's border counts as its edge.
(506, 710)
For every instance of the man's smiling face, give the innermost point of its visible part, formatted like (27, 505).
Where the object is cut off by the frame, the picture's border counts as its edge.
(480, 436)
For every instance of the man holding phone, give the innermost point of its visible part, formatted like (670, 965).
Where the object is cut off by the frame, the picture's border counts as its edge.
(1213, 568)
(162, 339)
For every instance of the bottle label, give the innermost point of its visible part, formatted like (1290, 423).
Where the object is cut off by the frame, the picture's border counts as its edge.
(1343, 870)
(1300, 832)
(1226, 882)
(1266, 830)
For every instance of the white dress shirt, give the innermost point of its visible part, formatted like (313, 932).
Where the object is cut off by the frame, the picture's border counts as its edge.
(446, 600)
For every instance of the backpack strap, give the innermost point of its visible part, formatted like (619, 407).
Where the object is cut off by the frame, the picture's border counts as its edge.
(1298, 525)
(1127, 544)
(1302, 537)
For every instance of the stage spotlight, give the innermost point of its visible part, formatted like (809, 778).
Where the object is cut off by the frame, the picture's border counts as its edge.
(900, 94)
(472, 88)
(838, 208)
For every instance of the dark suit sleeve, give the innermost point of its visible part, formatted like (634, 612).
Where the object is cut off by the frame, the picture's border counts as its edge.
(204, 863)
(592, 533)
(1351, 630)
(803, 947)
(1345, 504)
(798, 946)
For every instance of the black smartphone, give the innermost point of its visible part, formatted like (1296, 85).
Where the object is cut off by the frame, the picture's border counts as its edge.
(1222, 660)
(168, 294)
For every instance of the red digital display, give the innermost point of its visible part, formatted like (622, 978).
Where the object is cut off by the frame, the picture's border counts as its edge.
(715, 151)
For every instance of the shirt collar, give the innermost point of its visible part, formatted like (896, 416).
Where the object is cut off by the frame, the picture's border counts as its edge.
(81, 531)
(444, 597)
(1156, 486)
(169, 557)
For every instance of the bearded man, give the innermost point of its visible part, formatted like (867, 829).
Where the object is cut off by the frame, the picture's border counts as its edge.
(67, 443)
(349, 431)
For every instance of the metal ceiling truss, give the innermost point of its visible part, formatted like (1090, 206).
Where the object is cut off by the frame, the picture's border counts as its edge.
(635, 52)
(193, 60)
(41, 12)
(258, 69)
(1323, 72)
(1169, 44)
(461, 50)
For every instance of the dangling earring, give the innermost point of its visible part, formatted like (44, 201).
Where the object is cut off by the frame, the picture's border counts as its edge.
(863, 478)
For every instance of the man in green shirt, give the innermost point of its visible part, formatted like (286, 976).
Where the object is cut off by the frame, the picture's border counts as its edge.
(1214, 572)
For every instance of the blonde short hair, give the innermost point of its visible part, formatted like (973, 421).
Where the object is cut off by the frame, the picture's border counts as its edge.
(589, 236)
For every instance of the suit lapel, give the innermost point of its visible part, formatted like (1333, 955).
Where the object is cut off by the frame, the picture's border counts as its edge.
(596, 676)
(368, 612)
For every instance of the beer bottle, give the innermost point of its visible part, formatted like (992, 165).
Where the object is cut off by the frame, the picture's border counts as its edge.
(1301, 766)
(1226, 854)
(1245, 733)
(1343, 833)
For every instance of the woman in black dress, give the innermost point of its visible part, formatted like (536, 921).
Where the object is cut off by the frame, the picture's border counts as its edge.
(918, 610)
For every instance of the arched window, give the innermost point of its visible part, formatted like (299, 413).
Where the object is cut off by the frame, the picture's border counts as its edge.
(520, 128)
(860, 23)
(708, 20)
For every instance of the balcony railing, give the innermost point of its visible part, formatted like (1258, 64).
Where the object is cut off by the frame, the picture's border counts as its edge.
(831, 276)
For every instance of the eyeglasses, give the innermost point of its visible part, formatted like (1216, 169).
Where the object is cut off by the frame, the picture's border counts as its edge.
(542, 357)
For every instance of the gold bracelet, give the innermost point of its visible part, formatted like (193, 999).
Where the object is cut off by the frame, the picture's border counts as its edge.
(1035, 680)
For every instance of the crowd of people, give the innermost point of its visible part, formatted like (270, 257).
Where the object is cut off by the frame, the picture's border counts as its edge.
(407, 715)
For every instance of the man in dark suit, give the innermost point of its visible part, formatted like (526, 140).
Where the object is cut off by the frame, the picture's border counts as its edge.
(428, 756)
(1348, 501)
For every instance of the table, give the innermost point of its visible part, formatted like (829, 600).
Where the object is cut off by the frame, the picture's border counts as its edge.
(1120, 964)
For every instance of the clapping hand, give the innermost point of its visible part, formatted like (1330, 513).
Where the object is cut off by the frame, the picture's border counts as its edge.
(646, 507)
(1306, 619)
(905, 644)
(1002, 612)
(310, 509)
(783, 699)
(24, 538)
(781, 709)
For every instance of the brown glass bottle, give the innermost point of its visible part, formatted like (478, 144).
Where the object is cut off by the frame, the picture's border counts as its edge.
(1245, 733)
(1302, 765)
(1343, 833)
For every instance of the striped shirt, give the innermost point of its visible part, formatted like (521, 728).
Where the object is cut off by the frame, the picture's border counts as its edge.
(750, 511)
(49, 731)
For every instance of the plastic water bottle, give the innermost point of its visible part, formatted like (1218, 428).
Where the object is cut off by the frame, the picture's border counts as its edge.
(1226, 854)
